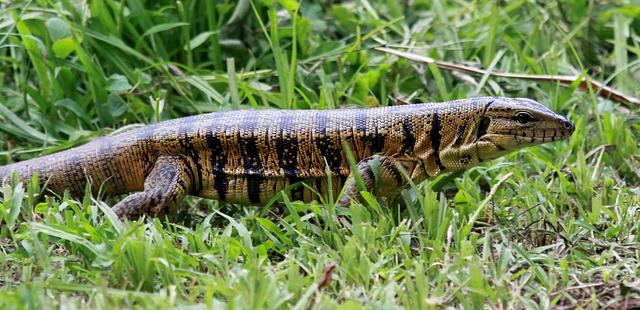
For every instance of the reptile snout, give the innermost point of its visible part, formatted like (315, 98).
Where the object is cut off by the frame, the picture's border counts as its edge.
(568, 126)
(560, 128)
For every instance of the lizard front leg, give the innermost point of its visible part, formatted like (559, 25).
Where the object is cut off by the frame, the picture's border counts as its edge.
(171, 179)
(387, 181)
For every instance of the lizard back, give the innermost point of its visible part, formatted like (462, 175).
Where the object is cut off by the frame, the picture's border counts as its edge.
(248, 156)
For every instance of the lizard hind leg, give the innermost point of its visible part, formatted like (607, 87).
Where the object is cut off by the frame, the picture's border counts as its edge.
(386, 181)
(170, 180)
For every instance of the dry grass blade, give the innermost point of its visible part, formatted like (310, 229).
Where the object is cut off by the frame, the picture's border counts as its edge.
(327, 272)
(565, 80)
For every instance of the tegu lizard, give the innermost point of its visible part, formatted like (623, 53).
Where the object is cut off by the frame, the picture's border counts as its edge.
(248, 156)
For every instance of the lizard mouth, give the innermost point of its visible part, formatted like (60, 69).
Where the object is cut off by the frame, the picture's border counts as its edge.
(511, 139)
(537, 135)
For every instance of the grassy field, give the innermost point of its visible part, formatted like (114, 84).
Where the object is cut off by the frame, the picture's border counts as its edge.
(551, 226)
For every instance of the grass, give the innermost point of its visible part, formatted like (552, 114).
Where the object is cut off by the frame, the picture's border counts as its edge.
(554, 226)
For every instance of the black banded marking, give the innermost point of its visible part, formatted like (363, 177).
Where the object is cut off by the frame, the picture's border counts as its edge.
(254, 183)
(192, 174)
(287, 146)
(215, 138)
(409, 139)
(187, 147)
(486, 107)
(324, 145)
(435, 136)
(378, 141)
(250, 153)
(465, 159)
(484, 122)
(459, 135)
(367, 174)
(483, 127)
(392, 169)
(361, 139)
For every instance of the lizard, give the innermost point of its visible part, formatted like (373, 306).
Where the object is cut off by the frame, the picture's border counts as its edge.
(248, 156)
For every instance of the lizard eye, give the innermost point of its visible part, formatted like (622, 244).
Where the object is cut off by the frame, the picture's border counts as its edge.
(524, 118)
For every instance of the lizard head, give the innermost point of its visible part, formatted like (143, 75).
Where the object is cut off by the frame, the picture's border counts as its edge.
(503, 125)
(511, 124)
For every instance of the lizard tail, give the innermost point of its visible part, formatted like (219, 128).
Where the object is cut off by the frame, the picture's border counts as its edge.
(52, 170)
(104, 164)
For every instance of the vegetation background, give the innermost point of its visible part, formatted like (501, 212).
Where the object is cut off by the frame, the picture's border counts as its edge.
(551, 226)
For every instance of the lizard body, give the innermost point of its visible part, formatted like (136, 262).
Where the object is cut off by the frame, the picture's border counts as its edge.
(248, 156)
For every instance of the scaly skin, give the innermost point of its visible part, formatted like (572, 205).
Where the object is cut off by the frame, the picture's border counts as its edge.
(247, 157)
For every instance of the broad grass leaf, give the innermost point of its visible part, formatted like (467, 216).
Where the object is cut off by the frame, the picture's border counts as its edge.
(58, 29)
(118, 83)
(62, 48)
